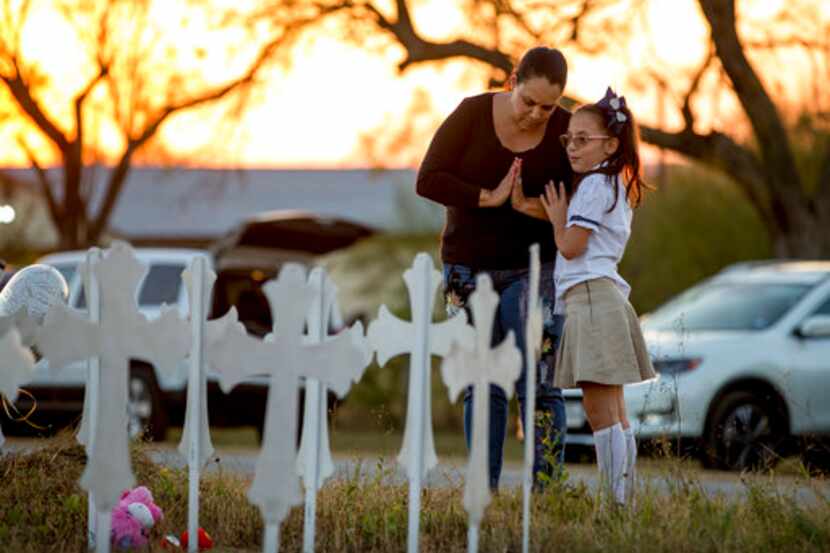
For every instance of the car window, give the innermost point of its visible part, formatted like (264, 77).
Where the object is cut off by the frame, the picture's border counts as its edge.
(161, 285)
(67, 271)
(726, 306)
(824, 309)
(80, 301)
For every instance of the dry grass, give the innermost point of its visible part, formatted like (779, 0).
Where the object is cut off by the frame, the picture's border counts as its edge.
(42, 509)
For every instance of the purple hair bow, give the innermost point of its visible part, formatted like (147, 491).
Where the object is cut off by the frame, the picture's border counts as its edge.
(613, 105)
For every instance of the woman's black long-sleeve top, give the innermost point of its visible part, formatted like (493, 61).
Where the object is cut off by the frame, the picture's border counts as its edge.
(465, 156)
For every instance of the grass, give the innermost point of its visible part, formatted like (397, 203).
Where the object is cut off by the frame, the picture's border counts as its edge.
(42, 509)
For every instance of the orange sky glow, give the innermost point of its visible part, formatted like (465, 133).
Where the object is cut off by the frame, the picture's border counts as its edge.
(321, 111)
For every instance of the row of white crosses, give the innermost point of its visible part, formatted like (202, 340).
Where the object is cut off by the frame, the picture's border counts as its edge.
(421, 338)
(460, 368)
(338, 361)
(115, 331)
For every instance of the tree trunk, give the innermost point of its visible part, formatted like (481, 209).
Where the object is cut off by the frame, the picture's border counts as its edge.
(807, 238)
(73, 226)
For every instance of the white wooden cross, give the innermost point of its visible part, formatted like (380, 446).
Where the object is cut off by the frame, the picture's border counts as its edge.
(85, 435)
(421, 338)
(285, 355)
(17, 360)
(196, 446)
(92, 295)
(314, 460)
(123, 333)
(479, 368)
(533, 344)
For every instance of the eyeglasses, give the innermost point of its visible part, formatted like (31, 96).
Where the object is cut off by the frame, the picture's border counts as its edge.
(580, 140)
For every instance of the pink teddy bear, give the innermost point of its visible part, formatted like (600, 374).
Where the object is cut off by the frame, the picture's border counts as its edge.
(133, 518)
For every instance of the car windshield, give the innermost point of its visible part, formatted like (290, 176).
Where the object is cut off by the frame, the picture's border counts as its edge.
(161, 286)
(68, 271)
(726, 306)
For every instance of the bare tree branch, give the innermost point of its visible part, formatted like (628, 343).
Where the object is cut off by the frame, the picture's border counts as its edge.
(788, 42)
(103, 71)
(576, 19)
(118, 177)
(717, 150)
(760, 110)
(419, 50)
(519, 17)
(686, 109)
(404, 18)
(43, 178)
(78, 142)
(22, 94)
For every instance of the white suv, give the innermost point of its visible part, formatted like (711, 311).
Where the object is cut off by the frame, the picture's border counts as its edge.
(743, 362)
(154, 397)
(244, 259)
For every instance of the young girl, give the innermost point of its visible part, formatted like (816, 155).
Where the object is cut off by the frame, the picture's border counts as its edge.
(602, 346)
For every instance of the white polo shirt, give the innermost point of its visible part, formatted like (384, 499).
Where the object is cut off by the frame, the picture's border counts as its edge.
(589, 208)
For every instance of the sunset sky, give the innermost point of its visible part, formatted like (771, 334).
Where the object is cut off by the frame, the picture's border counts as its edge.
(320, 111)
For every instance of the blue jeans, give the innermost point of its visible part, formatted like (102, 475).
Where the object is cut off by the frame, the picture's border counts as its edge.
(551, 425)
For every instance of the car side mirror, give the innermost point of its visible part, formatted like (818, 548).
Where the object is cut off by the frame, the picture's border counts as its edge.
(817, 326)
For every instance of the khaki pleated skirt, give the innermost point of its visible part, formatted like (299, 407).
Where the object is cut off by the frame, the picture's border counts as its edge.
(602, 341)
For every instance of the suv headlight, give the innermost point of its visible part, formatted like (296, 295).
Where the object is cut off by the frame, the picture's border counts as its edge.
(676, 366)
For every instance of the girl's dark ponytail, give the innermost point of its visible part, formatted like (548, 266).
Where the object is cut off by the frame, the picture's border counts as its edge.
(618, 119)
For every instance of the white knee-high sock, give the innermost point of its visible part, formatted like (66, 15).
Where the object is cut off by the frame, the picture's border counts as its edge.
(630, 462)
(611, 457)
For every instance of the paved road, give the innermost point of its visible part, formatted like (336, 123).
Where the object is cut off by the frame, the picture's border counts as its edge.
(451, 472)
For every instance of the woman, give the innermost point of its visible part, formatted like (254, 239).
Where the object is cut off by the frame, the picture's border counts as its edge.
(488, 164)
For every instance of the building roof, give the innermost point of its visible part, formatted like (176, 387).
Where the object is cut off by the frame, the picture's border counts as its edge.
(204, 203)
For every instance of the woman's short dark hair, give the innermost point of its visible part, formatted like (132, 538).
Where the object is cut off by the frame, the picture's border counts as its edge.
(543, 62)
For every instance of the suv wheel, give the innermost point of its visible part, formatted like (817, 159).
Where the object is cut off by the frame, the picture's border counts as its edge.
(745, 432)
(145, 413)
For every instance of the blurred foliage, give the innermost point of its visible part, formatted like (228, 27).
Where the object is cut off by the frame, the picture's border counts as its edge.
(810, 140)
(370, 273)
(685, 231)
